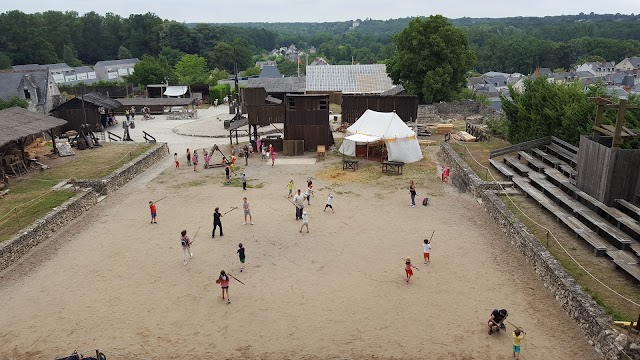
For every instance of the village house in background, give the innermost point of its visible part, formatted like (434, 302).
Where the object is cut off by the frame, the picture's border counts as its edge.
(36, 86)
(63, 74)
(114, 69)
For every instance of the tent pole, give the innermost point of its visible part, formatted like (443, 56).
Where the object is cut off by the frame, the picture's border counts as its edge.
(367, 151)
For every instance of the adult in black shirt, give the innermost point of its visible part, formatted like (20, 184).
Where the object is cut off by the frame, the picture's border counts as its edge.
(496, 320)
(216, 222)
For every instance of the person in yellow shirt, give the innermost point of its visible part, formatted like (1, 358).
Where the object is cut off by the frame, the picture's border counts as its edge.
(518, 335)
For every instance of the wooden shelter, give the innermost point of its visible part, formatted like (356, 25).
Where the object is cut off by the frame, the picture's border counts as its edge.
(353, 106)
(307, 118)
(20, 125)
(156, 105)
(84, 110)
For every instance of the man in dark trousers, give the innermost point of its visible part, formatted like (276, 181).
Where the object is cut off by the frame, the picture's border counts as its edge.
(216, 222)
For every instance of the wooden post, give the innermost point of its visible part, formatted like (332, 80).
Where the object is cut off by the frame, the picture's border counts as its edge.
(547, 239)
(617, 137)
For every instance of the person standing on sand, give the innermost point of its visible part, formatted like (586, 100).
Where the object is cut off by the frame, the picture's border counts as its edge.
(290, 187)
(227, 173)
(194, 159)
(273, 158)
(152, 207)
(298, 201)
(246, 155)
(329, 201)
(408, 268)
(185, 242)
(243, 178)
(188, 157)
(308, 196)
(247, 211)
(412, 191)
(426, 248)
(175, 158)
(305, 221)
(518, 336)
(223, 280)
(216, 222)
(241, 255)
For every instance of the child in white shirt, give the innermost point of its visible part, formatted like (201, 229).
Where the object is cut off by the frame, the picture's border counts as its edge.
(328, 205)
(426, 250)
(305, 221)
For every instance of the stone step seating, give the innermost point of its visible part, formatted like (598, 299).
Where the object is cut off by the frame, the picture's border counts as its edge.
(562, 153)
(532, 162)
(504, 170)
(599, 245)
(612, 215)
(516, 165)
(628, 208)
(618, 238)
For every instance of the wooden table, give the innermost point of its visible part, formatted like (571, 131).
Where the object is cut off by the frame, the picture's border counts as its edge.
(392, 167)
(349, 164)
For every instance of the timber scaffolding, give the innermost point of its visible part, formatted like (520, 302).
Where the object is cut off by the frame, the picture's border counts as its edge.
(545, 170)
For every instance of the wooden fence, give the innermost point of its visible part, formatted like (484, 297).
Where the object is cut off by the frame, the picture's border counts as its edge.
(353, 106)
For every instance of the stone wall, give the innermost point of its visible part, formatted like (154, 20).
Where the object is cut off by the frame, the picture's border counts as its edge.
(435, 113)
(38, 231)
(607, 341)
(127, 172)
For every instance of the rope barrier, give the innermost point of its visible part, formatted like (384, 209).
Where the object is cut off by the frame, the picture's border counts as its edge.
(549, 231)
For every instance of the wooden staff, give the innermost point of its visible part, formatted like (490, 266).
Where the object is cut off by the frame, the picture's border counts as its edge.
(233, 208)
(231, 276)
(194, 236)
(157, 201)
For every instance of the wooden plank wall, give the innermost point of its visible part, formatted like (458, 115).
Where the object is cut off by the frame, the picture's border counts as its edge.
(253, 96)
(353, 106)
(335, 97)
(75, 116)
(307, 118)
(264, 115)
(608, 173)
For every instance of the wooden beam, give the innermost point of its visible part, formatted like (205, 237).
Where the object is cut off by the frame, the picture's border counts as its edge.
(617, 138)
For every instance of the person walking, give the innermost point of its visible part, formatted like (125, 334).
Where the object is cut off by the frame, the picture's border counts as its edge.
(329, 201)
(243, 178)
(185, 242)
(246, 155)
(290, 187)
(518, 336)
(216, 222)
(247, 211)
(273, 158)
(223, 280)
(412, 191)
(188, 157)
(305, 221)
(307, 195)
(241, 255)
(298, 201)
(426, 250)
(175, 158)
(194, 159)
(408, 268)
(152, 208)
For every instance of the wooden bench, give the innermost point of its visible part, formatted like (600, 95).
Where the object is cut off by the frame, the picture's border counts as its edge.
(564, 144)
(564, 154)
(612, 215)
(625, 262)
(392, 167)
(504, 170)
(628, 208)
(560, 180)
(597, 243)
(568, 171)
(533, 163)
(519, 167)
(349, 164)
(554, 161)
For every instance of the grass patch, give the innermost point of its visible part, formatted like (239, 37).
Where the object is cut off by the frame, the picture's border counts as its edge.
(601, 267)
(189, 184)
(480, 152)
(236, 182)
(31, 196)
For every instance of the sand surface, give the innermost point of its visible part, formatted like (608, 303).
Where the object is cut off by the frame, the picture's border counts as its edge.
(112, 281)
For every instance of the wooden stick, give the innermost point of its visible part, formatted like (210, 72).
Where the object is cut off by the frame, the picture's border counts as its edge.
(236, 279)
(194, 236)
(233, 208)
(157, 201)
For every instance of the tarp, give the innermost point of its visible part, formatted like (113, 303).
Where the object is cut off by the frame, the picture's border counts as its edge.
(175, 91)
(372, 126)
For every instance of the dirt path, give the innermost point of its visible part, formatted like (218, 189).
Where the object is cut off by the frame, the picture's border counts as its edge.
(114, 282)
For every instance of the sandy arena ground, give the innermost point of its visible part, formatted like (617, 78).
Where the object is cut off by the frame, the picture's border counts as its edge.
(112, 281)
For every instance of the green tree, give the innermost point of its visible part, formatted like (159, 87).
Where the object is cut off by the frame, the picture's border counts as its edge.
(14, 101)
(252, 71)
(172, 55)
(124, 53)
(432, 58)
(70, 56)
(5, 61)
(219, 92)
(216, 75)
(226, 55)
(151, 70)
(192, 69)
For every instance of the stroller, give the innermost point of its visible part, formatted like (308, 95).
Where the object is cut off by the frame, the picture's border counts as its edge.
(76, 356)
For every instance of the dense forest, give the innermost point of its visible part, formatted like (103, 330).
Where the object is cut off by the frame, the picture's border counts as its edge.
(507, 44)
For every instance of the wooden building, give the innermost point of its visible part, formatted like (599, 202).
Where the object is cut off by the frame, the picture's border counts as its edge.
(156, 105)
(353, 106)
(84, 110)
(307, 118)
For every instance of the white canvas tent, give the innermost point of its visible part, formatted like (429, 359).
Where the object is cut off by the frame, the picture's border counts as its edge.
(372, 126)
(175, 91)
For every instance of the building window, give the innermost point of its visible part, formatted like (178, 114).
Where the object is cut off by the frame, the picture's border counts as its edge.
(323, 104)
(27, 94)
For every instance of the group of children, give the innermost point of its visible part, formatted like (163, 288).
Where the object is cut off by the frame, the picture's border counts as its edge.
(426, 252)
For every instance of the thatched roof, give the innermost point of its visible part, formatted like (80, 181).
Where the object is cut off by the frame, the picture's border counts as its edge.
(17, 123)
(156, 101)
(93, 98)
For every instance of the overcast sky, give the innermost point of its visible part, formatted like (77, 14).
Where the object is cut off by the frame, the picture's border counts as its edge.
(324, 10)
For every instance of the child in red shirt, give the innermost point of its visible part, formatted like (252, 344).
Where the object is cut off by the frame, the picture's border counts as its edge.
(152, 207)
(175, 157)
(223, 280)
(408, 268)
